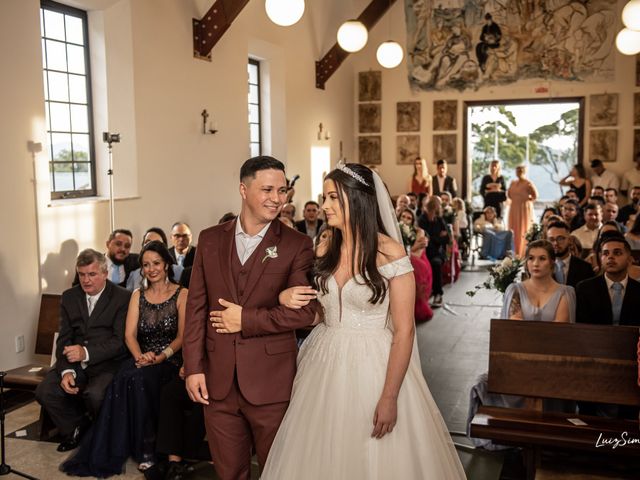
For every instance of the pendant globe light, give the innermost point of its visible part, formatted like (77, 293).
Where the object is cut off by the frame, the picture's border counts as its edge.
(389, 54)
(628, 41)
(352, 36)
(284, 12)
(631, 15)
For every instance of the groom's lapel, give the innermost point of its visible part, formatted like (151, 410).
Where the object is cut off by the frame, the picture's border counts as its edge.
(225, 258)
(271, 239)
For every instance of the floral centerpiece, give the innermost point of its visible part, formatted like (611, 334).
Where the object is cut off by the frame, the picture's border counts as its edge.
(534, 233)
(501, 275)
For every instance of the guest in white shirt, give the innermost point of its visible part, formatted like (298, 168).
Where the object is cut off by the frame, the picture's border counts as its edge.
(588, 233)
(603, 177)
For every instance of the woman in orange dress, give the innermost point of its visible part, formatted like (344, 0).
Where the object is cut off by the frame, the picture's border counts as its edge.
(522, 194)
(420, 181)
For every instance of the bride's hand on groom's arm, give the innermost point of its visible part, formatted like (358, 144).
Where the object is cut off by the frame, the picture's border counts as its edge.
(297, 297)
(385, 416)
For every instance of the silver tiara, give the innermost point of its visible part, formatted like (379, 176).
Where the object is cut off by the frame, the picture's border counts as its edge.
(356, 176)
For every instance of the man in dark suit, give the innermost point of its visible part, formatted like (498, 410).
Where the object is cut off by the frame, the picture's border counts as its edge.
(89, 349)
(183, 251)
(311, 224)
(443, 182)
(612, 298)
(569, 269)
(240, 359)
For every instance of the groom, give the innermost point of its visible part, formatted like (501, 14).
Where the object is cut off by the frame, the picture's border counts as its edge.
(241, 362)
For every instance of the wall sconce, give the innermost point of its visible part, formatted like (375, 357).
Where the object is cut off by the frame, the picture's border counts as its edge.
(326, 136)
(205, 130)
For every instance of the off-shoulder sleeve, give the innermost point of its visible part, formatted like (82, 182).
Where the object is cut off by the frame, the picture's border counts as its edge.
(506, 303)
(570, 293)
(398, 267)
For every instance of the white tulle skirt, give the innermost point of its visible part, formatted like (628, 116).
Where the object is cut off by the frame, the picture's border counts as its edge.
(326, 432)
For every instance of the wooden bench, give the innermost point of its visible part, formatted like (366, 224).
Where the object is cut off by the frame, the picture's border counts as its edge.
(590, 363)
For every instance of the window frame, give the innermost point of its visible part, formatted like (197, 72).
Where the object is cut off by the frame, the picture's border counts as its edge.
(82, 15)
(256, 63)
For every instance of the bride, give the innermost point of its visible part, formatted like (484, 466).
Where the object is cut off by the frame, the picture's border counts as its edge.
(360, 407)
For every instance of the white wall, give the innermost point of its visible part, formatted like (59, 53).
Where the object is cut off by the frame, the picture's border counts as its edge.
(395, 88)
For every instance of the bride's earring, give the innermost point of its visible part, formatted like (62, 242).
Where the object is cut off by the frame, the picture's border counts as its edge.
(166, 275)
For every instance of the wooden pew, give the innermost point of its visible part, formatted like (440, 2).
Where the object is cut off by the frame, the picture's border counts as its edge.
(591, 363)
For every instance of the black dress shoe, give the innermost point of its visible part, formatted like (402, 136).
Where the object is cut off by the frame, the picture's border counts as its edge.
(73, 440)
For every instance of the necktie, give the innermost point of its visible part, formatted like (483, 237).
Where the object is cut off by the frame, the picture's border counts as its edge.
(115, 274)
(90, 304)
(616, 302)
(180, 260)
(560, 271)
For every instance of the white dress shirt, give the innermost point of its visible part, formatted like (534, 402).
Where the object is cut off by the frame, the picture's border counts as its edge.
(586, 236)
(608, 179)
(630, 179)
(245, 243)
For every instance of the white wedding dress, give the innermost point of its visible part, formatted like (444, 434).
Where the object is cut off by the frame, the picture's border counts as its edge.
(326, 432)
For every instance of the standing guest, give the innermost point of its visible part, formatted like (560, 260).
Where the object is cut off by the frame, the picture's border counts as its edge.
(420, 181)
(432, 223)
(153, 334)
(311, 224)
(611, 195)
(589, 231)
(633, 235)
(183, 251)
(443, 182)
(402, 202)
(496, 241)
(571, 214)
(597, 191)
(603, 177)
(289, 211)
(569, 269)
(153, 234)
(632, 207)
(631, 178)
(522, 193)
(612, 298)
(493, 188)
(578, 181)
(89, 349)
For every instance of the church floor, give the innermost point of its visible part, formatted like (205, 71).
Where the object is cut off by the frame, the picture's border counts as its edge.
(454, 351)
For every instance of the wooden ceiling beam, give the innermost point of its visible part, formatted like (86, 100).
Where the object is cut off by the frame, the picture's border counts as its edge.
(209, 29)
(336, 55)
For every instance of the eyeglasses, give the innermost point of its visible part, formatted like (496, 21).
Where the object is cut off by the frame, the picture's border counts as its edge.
(557, 239)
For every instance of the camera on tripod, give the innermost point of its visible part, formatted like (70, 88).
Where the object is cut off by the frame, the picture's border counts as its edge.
(108, 137)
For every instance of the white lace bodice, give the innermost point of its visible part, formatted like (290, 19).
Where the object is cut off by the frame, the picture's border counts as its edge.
(350, 307)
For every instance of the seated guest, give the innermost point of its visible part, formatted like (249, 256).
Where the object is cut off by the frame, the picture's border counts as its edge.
(610, 213)
(153, 234)
(311, 224)
(432, 223)
(603, 177)
(568, 269)
(460, 221)
(597, 191)
(183, 251)
(612, 298)
(443, 182)
(561, 202)
(153, 333)
(593, 257)
(445, 203)
(575, 247)
(571, 214)
(289, 211)
(589, 231)
(407, 217)
(548, 214)
(496, 241)
(611, 195)
(633, 235)
(413, 201)
(598, 201)
(89, 349)
(632, 207)
(287, 221)
(402, 202)
(227, 217)
(573, 195)
(415, 242)
(539, 297)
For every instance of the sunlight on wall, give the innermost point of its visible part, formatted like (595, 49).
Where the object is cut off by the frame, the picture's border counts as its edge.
(320, 165)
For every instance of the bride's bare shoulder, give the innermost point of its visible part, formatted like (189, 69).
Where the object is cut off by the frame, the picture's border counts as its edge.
(389, 248)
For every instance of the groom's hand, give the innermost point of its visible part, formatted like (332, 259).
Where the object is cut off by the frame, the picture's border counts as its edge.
(228, 320)
(197, 388)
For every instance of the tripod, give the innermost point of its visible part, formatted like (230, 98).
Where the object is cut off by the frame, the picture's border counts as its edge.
(4, 468)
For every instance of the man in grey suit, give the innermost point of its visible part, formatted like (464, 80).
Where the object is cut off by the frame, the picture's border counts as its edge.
(89, 349)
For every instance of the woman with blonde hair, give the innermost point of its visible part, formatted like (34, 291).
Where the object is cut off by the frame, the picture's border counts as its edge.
(420, 181)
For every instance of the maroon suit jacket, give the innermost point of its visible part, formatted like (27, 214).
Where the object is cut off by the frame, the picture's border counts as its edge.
(264, 353)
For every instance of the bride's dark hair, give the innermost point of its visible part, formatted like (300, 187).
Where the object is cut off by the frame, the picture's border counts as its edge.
(365, 224)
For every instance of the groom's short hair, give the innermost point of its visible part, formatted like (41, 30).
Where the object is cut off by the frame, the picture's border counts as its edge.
(262, 162)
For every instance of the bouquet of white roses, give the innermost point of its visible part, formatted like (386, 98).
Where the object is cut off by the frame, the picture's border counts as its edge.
(501, 275)
(534, 233)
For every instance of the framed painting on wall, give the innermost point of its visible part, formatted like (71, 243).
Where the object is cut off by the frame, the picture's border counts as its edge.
(603, 144)
(408, 117)
(636, 143)
(636, 108)
(603, 110)
(369, 117)
(407, 149)
(637, 70)
(370, 86)
(369, 150)
(444, 147)
(445, 114)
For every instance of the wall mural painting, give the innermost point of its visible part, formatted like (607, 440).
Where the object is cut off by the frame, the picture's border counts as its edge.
(444, 146)
(408, 116)
(466, 44)
(407, 149)
(369, 117)
(603, 110)
(369, 150)
(603, 144)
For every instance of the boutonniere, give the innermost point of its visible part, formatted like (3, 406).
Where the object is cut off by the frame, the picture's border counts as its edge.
(271, 252)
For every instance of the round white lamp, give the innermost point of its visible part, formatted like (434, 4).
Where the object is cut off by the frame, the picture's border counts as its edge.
(352, 36)
(628, 41)
(284, 12)
(631, 15)
(389, 54)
